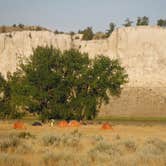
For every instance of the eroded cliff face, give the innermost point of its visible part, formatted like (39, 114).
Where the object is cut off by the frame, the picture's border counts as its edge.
(141, 50)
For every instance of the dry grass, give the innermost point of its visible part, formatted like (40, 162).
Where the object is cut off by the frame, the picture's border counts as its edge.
(12, 160)
(84, 146)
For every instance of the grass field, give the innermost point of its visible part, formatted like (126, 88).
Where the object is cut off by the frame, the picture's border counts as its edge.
(87, 145)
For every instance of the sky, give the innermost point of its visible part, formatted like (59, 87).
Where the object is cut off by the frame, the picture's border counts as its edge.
(72, 15)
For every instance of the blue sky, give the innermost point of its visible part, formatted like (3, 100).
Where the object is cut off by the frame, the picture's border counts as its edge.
(67, 15)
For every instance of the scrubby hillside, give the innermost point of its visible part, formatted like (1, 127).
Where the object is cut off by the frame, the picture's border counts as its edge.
(142, 50)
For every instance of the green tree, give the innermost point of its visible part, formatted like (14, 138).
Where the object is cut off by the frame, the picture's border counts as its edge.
(87, 34)
(111, 29)
(128, 23)
(14, 25)
(142, 21)
(66, 85)
(6, 109)
(21, 26)
(161, 23)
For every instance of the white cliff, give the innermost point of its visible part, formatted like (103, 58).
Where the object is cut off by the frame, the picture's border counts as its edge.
(141, 50)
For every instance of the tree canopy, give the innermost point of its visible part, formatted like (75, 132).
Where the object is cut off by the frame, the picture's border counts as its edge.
(128, 22)
(65, 85)
(111, 29)
(87, 34)
(161, 22)
(142, 21)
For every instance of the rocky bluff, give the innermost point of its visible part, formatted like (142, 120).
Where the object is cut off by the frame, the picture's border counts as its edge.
(141, 50)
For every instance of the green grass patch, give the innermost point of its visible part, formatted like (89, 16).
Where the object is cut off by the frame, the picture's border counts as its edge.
(131, 119)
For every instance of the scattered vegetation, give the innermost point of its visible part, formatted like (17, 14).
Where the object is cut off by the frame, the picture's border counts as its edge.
(111, 29)
(20, 27)
(161, 22)
(9, 143)
(128, 23)
(25, 135)
(75, 148)
(87, 34)
(70, 140)
(12, 160)
(142, 21)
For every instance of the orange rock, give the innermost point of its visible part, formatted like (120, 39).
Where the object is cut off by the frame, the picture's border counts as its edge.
(106, 126)
(63, 123)
(19, 125)
(74, 123)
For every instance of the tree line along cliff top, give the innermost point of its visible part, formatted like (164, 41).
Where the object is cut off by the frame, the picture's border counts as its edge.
(87, 33)
(21, 27)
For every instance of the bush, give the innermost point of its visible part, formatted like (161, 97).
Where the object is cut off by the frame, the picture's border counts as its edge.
(58, 159)
(87, 34)
(51, 140)
(72, 139)
(142, 21)
(105, 147)
(12, 160)
(25, 135)
(38, 28)
(24, 148)
(9, 143)
(161, 23)
(99, 35)
(21, 26)
(14, 25)
(111, 29)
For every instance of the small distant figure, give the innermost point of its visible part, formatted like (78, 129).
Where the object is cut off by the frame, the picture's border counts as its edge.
(52, 122)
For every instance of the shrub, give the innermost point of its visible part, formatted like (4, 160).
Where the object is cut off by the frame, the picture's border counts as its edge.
(25, 135)
(12, 160)
(142, 21)
(128, 23)
(106, 148)
(72, 139)
(161, 23)
(21, 26)
(77, 37)
(111, 29)
(38, 28)
(51, 140)
(99, 35)
(153, 146)
(14, 25)
(58, 159)
(129, 145)
(9, 142)
(24, 148)
(87, 34)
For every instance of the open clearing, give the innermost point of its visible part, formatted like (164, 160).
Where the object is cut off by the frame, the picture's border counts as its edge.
(126, 144)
